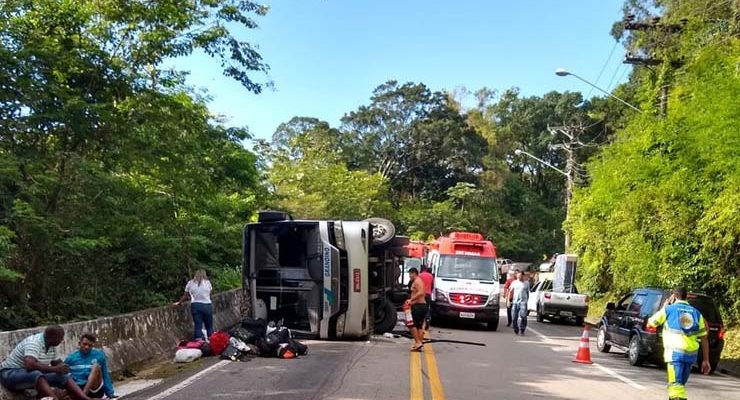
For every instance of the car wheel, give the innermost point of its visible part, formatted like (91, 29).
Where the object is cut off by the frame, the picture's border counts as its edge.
(492, 325)
(540, 316)
(601, 343)
(383, 230)
(579, 321)
(633, 353)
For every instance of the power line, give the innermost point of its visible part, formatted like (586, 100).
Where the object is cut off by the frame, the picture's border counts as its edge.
(614, 75)
(603, 68)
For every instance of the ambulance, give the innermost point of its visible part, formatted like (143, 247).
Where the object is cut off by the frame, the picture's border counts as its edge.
(466, 281)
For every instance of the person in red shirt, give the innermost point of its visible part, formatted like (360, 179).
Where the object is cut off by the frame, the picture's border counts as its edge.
(507, 296)
(428, 280)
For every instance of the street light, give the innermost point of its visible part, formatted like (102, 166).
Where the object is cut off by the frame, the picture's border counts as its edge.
(568, 186)
(563, 72)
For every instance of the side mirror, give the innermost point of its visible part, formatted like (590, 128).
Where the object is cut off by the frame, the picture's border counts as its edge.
(611, 306)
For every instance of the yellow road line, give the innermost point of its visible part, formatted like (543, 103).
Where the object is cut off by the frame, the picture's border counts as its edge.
(416, 387)
(435, 383)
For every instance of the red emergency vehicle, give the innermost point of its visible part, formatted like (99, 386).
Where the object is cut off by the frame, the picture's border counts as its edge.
(466, 278)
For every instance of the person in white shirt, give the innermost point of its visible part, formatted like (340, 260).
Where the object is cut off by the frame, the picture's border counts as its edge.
(199, 289)
(519, 290)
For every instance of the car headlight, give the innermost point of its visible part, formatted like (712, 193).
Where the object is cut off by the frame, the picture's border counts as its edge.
(493, 299)
(440, 296)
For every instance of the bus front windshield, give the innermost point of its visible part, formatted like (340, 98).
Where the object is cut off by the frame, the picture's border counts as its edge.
(467, 267)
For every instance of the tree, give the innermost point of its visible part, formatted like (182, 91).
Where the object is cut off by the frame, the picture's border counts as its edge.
(662, 205)
(115, 180)
(310, 179)
(415, 139)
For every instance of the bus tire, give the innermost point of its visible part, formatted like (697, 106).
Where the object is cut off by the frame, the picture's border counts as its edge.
(385, 316)
(383, 230)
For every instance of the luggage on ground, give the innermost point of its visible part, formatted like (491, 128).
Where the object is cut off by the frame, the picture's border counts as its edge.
(187, 355)
(231, 353)
(258, 327)
(219, 341)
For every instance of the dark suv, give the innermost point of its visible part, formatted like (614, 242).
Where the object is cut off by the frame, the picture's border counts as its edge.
(624, 325)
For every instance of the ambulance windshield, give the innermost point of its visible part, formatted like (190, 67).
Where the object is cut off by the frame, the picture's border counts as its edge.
(467, 267)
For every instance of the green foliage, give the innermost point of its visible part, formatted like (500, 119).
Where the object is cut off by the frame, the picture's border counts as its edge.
(311, 180)
(415, 139)
(663, 205)
(226, 278)
(115, 182)
(442, 168)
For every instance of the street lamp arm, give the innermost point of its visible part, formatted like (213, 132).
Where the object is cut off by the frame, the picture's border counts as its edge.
(518, 151)
(604, 91)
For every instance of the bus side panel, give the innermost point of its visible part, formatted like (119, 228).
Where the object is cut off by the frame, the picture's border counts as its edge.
(357, 238)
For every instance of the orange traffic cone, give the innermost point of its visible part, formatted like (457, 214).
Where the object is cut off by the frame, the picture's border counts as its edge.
(584, 352)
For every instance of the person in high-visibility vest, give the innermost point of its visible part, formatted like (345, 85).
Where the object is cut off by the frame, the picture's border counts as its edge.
(683, 331)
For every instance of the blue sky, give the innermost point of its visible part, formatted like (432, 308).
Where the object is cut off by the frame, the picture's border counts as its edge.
(326, 56)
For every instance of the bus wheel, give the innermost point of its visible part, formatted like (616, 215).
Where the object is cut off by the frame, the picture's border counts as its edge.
(385, 316)
(383, 230)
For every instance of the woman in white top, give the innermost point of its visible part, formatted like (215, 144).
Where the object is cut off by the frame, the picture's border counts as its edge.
(199, 289)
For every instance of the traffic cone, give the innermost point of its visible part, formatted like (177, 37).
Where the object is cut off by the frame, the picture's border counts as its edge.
(584, 352)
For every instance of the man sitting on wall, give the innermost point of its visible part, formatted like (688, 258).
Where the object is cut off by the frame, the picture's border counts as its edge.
(33, 364)
(89, 369)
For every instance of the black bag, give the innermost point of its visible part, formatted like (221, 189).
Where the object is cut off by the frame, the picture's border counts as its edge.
(300, 348)
(244, 335)
(258, 327)
(231, 353)
(206, 349)
(285, 350)
(280, 335)
(267, 348)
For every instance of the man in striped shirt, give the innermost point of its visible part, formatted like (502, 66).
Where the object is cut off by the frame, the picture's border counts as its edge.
(33, 364)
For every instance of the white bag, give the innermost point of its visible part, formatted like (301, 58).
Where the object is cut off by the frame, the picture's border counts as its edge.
(187, 355)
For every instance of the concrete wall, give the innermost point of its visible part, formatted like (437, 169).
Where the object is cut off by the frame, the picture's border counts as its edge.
(138, 337)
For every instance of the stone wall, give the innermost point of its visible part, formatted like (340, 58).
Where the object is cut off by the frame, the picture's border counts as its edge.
(139, 337)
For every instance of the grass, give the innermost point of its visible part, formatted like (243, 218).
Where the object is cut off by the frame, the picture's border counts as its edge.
(596, 308)
(732, 344)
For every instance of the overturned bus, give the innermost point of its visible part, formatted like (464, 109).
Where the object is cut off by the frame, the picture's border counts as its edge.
(324, 279)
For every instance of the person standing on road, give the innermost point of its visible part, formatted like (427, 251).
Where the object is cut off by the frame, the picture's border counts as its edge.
(199, 289)
(507, 295)
(33, 364)
(683, 331)
(428, 280)
(519, 295)
(418, 309)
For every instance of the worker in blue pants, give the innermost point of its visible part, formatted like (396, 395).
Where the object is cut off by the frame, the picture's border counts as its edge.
(683, 331)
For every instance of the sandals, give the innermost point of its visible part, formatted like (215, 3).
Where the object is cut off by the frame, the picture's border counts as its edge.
(417, 348)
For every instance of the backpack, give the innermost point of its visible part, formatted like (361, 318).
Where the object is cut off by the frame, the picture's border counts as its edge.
(219, 341)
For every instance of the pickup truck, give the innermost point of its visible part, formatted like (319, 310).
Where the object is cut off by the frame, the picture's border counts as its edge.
(549, 305)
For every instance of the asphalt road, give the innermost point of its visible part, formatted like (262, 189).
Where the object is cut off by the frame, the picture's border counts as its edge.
(538, 365)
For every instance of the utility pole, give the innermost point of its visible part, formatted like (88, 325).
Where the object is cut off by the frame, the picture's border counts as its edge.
(654, 25)
(572, 143)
